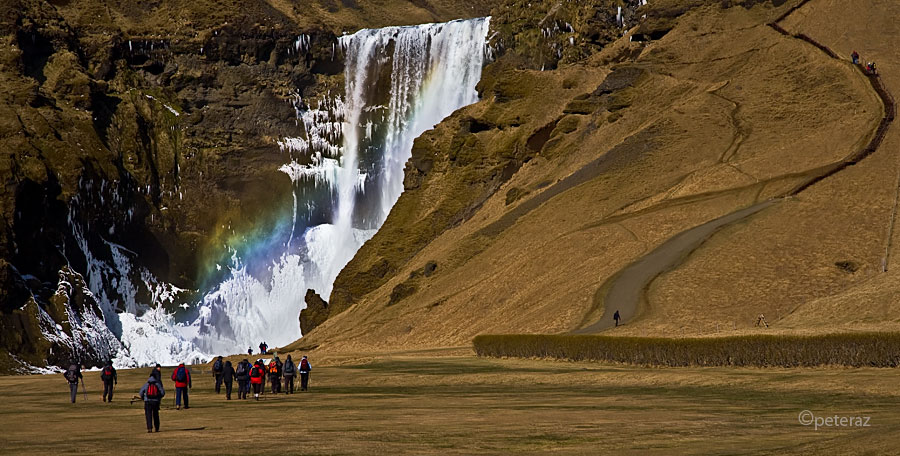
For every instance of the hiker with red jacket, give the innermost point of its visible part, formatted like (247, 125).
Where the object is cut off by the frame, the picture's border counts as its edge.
(304, 373)
(182, 378)
(109, 377)
(257, 376)
(152, 393)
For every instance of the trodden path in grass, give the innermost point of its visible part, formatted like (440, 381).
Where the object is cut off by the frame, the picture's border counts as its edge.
(625, 292)
(427, 404)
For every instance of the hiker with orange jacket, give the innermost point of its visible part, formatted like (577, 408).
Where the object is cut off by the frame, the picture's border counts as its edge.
(182, 378)
(109, 377)
(275, 374)
(257, 376)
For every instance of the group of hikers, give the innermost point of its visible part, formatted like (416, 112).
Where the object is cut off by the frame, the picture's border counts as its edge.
(247, 375)
(869, 66)
(255, 375)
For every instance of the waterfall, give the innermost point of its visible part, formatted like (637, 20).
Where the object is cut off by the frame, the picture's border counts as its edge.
(348, 166)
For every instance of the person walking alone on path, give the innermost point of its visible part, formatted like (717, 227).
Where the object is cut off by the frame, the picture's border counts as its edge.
(73, 375)
(109, 377)
(157, 372)
(152, 393)
(289, 370)
(182, 378)
(217, 373)
(616, 317)
(242, 374)
(257, 374)
(304, 373)
(854, 57)
(228, 377)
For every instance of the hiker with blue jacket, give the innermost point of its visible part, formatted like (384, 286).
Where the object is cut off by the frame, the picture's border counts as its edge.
(217, 369)
(182, 378)
(152, 393)
(289, 370)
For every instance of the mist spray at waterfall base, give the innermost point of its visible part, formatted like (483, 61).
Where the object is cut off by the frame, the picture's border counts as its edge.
(348, 164)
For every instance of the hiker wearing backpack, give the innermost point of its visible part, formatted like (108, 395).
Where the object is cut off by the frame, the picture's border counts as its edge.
(228, 377)
(109, 377)
(304, 373)
(242, 374)
(275, 374)
(73, 375)
(152, 393)
(217, 373)
(182, 378)
(257, 376)
(289, 370)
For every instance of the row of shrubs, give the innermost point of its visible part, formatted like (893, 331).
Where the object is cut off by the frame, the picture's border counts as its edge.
(850, 349)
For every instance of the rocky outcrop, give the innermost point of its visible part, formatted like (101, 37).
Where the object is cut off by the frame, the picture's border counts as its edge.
(315, 313)
(69, 326)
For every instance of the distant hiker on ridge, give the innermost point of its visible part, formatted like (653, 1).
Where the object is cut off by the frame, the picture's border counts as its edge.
(228, 377)
(263, 348)
(304, 373)
(250, 351)
(157, 372)
(289, 370)
(182, 378)
(152, 393)
(854, 57)
(73, 375)
(217, 373)
(257, 374)
(109, 377)
(616, 317)
(242, 373)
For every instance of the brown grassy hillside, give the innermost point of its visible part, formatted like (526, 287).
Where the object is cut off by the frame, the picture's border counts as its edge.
(720, 113)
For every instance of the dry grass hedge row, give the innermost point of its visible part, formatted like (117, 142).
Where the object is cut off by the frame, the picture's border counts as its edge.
(851, 349)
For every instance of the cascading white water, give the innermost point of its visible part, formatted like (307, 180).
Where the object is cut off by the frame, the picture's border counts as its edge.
(433, 71)
(353, 152)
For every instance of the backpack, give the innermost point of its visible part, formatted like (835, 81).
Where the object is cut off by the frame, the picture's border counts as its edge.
(106, 374)
(217, 366)
(72, 374)
(256, 372)
(153, 391)
(304, 365)
(241, 370)
(181, 375)
(273, 367)
(289, 368)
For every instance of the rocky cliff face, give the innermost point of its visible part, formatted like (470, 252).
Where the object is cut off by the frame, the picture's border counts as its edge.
(139, 135)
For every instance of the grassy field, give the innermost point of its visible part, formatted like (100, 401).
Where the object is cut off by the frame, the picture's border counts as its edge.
(455, 403)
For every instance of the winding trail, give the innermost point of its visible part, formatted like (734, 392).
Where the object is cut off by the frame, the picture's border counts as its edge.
(627, 288)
